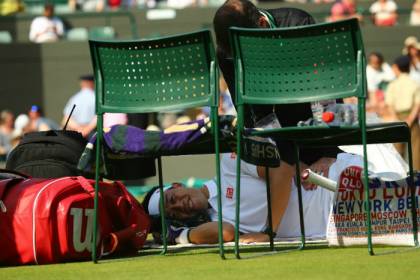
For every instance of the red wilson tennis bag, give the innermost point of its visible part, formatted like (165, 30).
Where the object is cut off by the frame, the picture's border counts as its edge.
(51, 220)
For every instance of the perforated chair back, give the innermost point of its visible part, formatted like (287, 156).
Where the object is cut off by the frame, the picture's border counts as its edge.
(164, 74)
(299, 64)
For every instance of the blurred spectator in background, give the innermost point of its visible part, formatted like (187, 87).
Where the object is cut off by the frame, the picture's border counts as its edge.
(226, 106)
(415, 13)
(87, 5)
(411, 48)
(147, 3)
(114, 4)
(402, 98)
(378, 74)
(169, 118)
(83, 118)
(10, 7)
(290, 1)
(323, 1)
(38, 122)
(46, 28)
(179, 4)
(22, 126)
(6, 129)
(119, 4)
(111, 119)
(384, 12)
(344, 9)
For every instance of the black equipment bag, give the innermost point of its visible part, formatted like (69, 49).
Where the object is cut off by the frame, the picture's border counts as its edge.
(48, 154)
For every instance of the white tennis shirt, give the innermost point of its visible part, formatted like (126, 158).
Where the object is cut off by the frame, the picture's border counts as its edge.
(316, 204)
(253, 207)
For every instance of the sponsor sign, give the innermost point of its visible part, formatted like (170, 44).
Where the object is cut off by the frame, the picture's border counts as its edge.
(390, 203)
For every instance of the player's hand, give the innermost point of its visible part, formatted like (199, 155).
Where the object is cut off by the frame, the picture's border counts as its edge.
(254, 237)
(320, 167)
(303, 166)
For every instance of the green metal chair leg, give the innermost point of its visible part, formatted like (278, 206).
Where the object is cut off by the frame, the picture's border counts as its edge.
(366, 188)
(269, 210)
(162, 208)
(96, 197)
(218, 182)
(237, 212)
(368, 212)
(413, 194)
(299, 188)
(238, 188)
(95, 204)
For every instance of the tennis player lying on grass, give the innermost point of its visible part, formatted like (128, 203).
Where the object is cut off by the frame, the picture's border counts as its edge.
(185, 203)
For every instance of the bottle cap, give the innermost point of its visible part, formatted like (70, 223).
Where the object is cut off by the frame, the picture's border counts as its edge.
(328, 117)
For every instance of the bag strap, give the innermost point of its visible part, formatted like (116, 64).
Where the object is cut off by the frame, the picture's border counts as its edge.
(15, 178)
(13, 172)
(123, 188)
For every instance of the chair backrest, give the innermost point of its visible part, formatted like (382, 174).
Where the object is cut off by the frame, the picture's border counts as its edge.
(155, 75)
(299, 64)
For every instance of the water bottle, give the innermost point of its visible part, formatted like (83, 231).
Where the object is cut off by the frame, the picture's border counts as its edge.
(318, 108)
(340, 114)
(317, 111)
(352, 117)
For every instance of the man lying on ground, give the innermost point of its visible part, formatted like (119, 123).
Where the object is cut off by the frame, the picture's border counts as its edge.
(184, 203)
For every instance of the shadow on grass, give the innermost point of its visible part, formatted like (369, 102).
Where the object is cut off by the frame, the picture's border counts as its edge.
(247, 251)
(383, 250)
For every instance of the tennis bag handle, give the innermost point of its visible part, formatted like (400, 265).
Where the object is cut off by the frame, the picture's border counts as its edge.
(13, 178)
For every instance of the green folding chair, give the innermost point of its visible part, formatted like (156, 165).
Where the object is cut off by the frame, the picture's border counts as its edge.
(306, 64)
(145, 76)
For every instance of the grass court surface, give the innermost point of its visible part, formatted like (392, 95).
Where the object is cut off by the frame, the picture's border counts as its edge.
(315, 262)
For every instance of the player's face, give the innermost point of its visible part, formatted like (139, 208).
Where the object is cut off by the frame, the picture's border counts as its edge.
(183, 203)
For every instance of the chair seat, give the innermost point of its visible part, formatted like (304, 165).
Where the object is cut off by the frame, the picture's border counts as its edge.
(392, 132)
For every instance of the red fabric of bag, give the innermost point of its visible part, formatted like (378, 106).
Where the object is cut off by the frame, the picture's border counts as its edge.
(51, 220)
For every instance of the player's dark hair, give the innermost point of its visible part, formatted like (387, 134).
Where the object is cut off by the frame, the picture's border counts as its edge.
(3, 115)
(239, 13)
